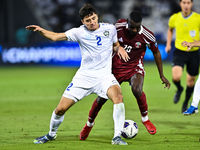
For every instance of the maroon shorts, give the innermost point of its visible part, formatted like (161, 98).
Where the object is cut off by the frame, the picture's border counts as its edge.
(123, 75)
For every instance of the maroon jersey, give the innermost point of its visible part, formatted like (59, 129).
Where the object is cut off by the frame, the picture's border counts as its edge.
(135, 47)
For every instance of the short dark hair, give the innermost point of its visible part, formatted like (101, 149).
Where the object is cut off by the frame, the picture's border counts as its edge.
(87, 10)
(191, 0)
(135, 16)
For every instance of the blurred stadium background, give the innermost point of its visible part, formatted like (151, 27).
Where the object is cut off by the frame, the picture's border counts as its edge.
(18, 46)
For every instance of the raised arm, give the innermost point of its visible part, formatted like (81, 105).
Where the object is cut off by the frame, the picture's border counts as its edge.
(158, 60)
(47, 34)
(169, 40)
(121, 51)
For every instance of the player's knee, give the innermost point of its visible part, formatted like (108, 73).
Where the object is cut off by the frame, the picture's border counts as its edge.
(121, 97)
(118, 99)
(190, 81)
(190, 84)
(137, 91)
(176, 79)
(59, 111)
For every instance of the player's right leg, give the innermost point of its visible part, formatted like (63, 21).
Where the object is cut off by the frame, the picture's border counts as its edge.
(144, 112)
(56, 119)
(96, 107)
(176, 77)
(136, 83)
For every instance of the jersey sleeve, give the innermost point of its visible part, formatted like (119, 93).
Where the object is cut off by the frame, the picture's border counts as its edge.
(153, 46)
(150, 39)
(114, 34)
(72, 34)
(171, 22)
(199, 21)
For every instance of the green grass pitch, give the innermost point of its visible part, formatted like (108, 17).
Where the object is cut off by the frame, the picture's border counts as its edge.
(28, 95)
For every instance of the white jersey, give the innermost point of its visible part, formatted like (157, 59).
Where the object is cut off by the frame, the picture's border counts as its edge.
(96, 48)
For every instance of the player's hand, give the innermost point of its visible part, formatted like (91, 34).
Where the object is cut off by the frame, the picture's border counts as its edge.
(34, 28)
(166, 82)
(123, 54)
(168, 48)
(186, 44)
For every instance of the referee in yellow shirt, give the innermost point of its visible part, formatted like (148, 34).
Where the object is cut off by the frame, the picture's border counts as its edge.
(187, 26)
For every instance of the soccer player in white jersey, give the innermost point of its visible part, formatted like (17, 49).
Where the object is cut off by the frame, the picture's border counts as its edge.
(96, 41)
(193, 109)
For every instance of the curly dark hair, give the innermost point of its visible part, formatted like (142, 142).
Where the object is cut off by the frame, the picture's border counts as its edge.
(87, 10)
(135, 16)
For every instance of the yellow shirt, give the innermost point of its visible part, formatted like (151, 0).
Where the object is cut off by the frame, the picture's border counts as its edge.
(187, 28)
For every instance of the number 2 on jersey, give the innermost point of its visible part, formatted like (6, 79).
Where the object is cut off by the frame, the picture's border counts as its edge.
(70, 85)
(98, 40)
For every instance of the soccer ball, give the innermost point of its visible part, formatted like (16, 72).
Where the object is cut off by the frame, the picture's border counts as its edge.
(130, 129)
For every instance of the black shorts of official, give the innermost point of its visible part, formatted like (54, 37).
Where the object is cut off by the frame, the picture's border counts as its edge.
(190, 59)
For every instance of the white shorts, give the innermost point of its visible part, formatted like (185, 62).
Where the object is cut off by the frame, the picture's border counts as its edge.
(82, 86)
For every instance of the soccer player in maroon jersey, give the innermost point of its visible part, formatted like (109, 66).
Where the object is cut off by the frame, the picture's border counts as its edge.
(135, 38)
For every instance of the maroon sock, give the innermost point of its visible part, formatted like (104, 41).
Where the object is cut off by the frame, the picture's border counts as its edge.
(94, 111)
(142, 103)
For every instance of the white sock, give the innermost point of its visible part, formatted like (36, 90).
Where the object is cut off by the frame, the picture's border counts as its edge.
(196, 96)
(56, 120)
(145, 118)
(90, 124)
(119, 118)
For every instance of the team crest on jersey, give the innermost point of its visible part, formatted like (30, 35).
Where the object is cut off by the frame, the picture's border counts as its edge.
(138, 44)
(106, 33)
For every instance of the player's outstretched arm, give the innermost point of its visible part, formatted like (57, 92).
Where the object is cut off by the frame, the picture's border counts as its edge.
(189, 45)
(47, 34)
(158, 60)
(121, 52)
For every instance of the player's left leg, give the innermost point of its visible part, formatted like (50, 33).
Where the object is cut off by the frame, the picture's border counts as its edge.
(189, 91)
(136, 83)
(114, 94)
(108, 88)
(177, 72)
(96, 107)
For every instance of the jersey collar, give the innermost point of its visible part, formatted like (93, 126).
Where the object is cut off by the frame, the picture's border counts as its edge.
(187, 16)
